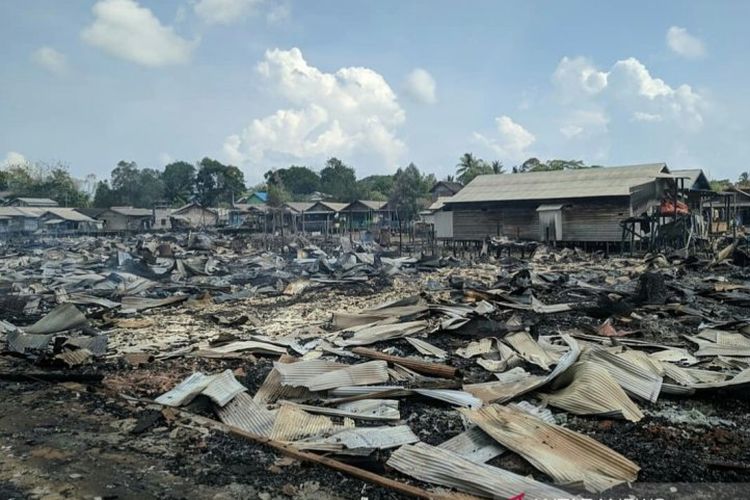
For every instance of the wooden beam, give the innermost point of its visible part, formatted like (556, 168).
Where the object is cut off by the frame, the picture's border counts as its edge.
(425, 367)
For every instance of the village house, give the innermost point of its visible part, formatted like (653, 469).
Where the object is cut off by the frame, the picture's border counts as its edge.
(564, 205)
(32, 202)
(125, 219)
(444, 189)
(194, 215)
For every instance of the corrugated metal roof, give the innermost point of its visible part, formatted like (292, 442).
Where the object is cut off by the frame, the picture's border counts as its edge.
(248, 415)
(299, 206)
(369, 204)
(132, 212)
(633, 378)
(68, 214)
(591, 390)
(292, 423)
(299, 374)
(439, 466)
(583, 183)
(372, 372)
(223, 388)
(37, 202)
(565, 455)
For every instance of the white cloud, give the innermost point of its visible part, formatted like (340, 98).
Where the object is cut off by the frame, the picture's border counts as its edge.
(124, 29)
(13, 159)
(578, 77)
(50, 59)
(279, 13)
(421, 86)
(350, 112)
(511, 141)
(641, 116)
(684, 44)
(225, 11)
(583, 124)
(628, 87)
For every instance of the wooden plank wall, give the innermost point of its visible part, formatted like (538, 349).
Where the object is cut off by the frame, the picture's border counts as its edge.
(595, 219)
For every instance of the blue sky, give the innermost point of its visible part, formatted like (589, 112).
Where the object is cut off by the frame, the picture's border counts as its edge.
(265, 84)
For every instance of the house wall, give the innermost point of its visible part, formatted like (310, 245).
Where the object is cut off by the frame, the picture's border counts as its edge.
(198, 216)
(161, 219)
(590, 219)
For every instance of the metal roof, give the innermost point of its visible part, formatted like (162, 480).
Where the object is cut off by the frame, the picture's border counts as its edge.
(369, 204)
(37, 202)
(132, 212)
(299, 206)
(322, 207)
(69, 214)
(696, 179)
(580, 183)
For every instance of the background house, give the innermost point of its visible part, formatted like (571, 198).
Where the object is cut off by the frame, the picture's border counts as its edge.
(125, 219)
(563, 205)
(32, 202)
(194, 215)
(445, 189)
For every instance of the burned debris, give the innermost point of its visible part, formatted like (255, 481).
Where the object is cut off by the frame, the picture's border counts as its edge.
(561, 375)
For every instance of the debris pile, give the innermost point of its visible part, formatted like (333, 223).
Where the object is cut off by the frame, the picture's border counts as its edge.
(563, 375)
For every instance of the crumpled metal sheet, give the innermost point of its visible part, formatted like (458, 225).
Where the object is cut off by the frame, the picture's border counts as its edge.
(440, 466)
(381, 332)
(589, 389)
(223, 388)
(721, 343)
(426, 348)
(371, 372)
(364, 409)
(248, 415)
(20, 342)
(530, 350)
(475, 445)
(61, 318)
(565, 455)
(364, 439)
(138, 304)
(239, 346)
(185, 391)
(635, 379)
(292, 424)
(272, 390)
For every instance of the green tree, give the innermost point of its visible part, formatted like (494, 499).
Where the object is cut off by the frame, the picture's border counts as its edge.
(297, 180)
(375, 187)
(3, 180)
(410, 190)
(218, 184)
(744, 179)
(339, 181)
(719, 185)
(105, 197)
(469, 167)
(46, 181)
(497, 167)
(125, 177)
(179, 182)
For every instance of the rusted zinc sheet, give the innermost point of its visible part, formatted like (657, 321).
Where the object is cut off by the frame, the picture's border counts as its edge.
(292, 424)
(440, 466)
(589, 389)
(248, 415)
(566, 456)
(635, 379)
(272, 390)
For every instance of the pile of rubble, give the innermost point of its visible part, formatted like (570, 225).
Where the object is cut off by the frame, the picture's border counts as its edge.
(560, 376)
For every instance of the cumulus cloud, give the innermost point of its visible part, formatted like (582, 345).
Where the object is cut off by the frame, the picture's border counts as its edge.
(511, 141)
(350, 112)
(684, 44)
(13, 159)
(124, 29)
(279, 13)
(420, 85)
(641, 116)
(51, 60)
(583, 124)
(628, 87)
(225, 11)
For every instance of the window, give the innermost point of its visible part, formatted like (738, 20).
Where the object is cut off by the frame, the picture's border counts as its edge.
(163, 222)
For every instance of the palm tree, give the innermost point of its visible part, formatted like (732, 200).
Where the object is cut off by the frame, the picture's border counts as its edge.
(449, 178)
(497, 167)
(466, 164)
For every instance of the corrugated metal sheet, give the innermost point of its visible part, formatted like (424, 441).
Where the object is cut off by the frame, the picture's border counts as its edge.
(299, 374)
(583, 183)
(365, 409)
(272, 390)
(364, 439)
(379, 333)
(591, 390)
(720, 343)
(185, 391)
(223, 388)
(451, 396)
(372, 372)
(566, 456)
(476, 348)
(530, 350)
(292, 424)
(439, 466)
(635, 379)
(62, 317)
(248, 415)
(426, 348)
(20, 342)
(241, 345)
(474, 444)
